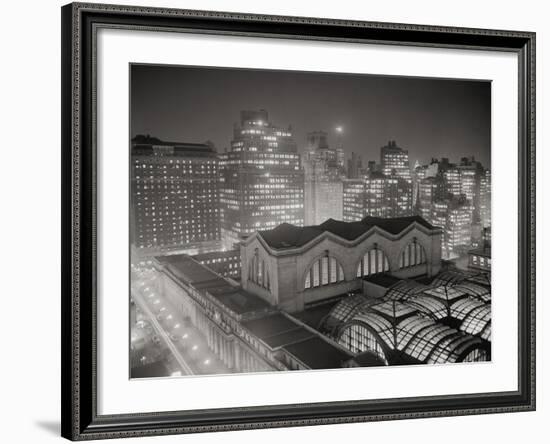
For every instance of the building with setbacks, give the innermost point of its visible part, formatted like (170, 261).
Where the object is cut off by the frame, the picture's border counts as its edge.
(261, 179)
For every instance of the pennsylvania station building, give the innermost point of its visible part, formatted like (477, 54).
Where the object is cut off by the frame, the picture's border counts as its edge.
(339, 294)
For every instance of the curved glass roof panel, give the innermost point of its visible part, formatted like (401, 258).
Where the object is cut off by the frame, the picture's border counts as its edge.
(403, 289)
(462, 308)
(476, 320)
(475, 290)
(435, 308)
(408, 328)
(447, 294)
(347, 307)
(424, 342)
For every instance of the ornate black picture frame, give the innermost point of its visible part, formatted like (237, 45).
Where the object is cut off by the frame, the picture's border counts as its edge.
(80, 419)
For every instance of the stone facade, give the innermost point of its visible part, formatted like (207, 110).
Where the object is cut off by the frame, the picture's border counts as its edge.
(288, 267)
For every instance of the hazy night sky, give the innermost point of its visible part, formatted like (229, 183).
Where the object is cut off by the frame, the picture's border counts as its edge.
(429, 117)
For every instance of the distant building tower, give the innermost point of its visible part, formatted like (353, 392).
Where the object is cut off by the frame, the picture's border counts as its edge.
(262, 184)
(430, 190)
(452, 182)
(340, 156)
(422, 172)
(377, 195)
(174, 197)
(355, 166)
(323, 188)
(395, 161)
(455, 217)
(354, 199)
(485, 199)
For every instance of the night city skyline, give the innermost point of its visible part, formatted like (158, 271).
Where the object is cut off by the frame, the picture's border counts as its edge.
(290, 221)
(428, 117)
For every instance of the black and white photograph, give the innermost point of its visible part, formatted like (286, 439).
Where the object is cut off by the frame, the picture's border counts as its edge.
(289, 220)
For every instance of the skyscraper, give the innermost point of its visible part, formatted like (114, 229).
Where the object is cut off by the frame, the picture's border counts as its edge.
(395, 161)
(355, 166)
(323, 188)
(485, 199)
(353, 199)
(376, 195)
(429, 190)
(175, 197)
(454, 215)
(262, 184)
(340, 156)
(452, 182)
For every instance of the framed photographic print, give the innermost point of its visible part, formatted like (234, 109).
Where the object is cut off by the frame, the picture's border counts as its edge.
(280, 221)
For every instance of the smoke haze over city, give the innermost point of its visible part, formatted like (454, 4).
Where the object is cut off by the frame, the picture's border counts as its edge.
(428, 117)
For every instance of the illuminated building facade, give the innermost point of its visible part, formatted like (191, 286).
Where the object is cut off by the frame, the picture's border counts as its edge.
(395, 161)
(323, 187)
(398, 197)
(452, 181)
(377, 195)
(353, 199)
(455, 217)
(293, 267)
(262, 183)
(469, 184)
(174, 197)
(485, 199)
(429, 191)
(225, 262)
(421, 172)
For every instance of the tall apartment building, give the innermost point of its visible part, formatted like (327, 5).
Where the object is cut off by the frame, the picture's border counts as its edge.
(323, 187)
(174, 197)
(452, 181)
(395, 161)
(485, 199)
(261, 180)
(454, 216)
(377, 195)
(430, 189)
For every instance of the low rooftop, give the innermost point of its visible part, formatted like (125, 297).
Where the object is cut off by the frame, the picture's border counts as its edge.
(291, 236)
(317, 353)
(145, 144)
(280, 331)
(189, 271)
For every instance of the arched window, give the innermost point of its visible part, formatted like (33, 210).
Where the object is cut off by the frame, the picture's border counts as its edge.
(258, 272)
(374, 261)
(324, 271)
(358, 338)
(413, 254)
